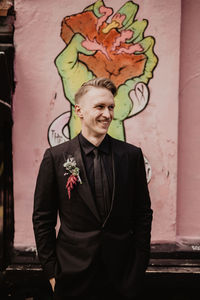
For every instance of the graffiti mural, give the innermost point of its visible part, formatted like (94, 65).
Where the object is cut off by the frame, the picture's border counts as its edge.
(101, 43)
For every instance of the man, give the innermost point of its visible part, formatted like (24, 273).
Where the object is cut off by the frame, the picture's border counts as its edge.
(98, 185)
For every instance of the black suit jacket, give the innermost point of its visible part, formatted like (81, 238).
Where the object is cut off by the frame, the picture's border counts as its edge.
(123, 240)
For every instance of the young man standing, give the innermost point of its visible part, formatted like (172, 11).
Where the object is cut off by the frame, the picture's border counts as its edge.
(98, 186)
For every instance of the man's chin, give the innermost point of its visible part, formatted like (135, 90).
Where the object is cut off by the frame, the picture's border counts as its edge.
(102, 131)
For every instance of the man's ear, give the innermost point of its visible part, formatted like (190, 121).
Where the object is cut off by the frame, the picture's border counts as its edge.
(78, 111)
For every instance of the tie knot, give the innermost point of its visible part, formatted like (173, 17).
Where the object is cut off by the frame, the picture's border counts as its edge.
(96, 152)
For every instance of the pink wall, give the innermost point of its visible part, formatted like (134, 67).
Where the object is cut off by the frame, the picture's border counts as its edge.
(188, 212)
(38, 42)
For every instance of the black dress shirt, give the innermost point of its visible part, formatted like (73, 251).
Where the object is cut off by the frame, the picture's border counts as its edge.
(88, 158)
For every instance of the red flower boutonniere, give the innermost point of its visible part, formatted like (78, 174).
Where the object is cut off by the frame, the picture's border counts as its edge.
(71, 168)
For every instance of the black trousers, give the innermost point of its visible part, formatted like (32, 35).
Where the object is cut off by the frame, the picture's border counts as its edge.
(103, 295)
(100, 287)
(98, 291)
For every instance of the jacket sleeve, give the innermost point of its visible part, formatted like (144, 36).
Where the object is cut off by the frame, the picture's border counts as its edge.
(143, 211)
(45, 214)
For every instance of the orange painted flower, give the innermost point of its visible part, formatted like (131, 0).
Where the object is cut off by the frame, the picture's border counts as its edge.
(115, 57)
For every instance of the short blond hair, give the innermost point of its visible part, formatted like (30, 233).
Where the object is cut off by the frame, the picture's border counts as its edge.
(96, 82)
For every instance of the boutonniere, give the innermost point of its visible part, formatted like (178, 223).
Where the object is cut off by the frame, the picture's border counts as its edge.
(71, 168)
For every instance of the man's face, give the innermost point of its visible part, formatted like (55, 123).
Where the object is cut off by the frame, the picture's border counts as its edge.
(96, 111)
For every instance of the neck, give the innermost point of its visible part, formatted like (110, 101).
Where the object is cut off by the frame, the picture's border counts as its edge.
(95, 140)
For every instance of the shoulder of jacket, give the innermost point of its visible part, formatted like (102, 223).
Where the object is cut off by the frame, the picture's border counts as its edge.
(63, 147)
(122, 145)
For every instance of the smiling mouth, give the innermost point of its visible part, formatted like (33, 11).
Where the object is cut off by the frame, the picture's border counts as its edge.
(106, 123)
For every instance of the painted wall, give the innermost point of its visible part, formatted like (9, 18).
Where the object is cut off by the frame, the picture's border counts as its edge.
(188, 212)
(39, 99)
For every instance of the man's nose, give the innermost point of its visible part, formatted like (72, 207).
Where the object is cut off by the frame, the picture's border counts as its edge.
(106, 113)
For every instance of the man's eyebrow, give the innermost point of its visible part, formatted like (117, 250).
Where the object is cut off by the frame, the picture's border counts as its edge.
(99, 103)
(104, 104)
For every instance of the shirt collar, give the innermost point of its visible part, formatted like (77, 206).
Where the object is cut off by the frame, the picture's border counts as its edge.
(88, 147)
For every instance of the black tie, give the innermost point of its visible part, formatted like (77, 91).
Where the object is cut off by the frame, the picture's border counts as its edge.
(101, 185)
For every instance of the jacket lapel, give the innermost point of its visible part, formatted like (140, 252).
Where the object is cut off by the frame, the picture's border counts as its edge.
(83, 189)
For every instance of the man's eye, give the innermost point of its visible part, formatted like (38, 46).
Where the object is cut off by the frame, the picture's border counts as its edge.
(100, 106)
(111, 107)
